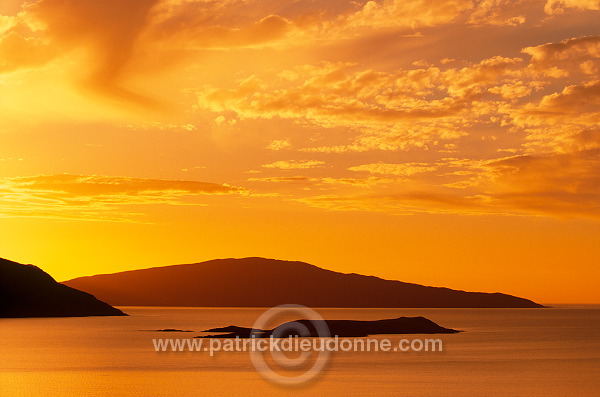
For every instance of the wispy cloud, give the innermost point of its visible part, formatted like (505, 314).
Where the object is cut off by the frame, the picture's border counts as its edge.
(279, 144)
(295, 164)
(562, 6)
(405, 169)
(558, 185)
(94, 197)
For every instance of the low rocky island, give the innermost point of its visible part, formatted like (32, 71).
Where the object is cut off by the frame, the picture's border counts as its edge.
(171, 330)
(341, 328)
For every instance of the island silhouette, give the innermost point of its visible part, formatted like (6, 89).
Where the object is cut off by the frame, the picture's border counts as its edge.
(28, 291)
(341, 328)
(260, 282)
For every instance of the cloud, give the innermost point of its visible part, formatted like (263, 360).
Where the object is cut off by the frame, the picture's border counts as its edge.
(106, 34)
(566, 52)
(392, 110)
(294, 164)
(207, 24)
(573, 99)
(359, 182)
(18, 52)
(337, 78)
(515, 90)
(563, 185)
(556, 122)
(405, 169)
(561, 6)
(404, 204)
(90, 196)
(407, 13)
(184, 30)
(304, 180)
(100, 186)
(111, 46)
(330, 94)
(430, 106)
(589, 67)
(406, 108)
(280, 179)
(279, 144)
(497, 12)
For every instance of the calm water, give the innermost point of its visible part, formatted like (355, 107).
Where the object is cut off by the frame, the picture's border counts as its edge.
(503, 352)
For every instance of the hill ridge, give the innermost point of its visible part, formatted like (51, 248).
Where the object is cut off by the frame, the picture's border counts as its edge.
(262, 282)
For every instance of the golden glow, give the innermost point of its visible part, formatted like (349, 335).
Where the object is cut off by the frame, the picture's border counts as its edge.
(450, 143)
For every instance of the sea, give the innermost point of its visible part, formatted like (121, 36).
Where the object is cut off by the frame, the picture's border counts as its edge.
(501, 352)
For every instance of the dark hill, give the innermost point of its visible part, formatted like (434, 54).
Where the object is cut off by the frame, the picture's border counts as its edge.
(28, 291)
(259, 282)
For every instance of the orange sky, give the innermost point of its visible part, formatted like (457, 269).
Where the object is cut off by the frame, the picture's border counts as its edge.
(444, 142)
